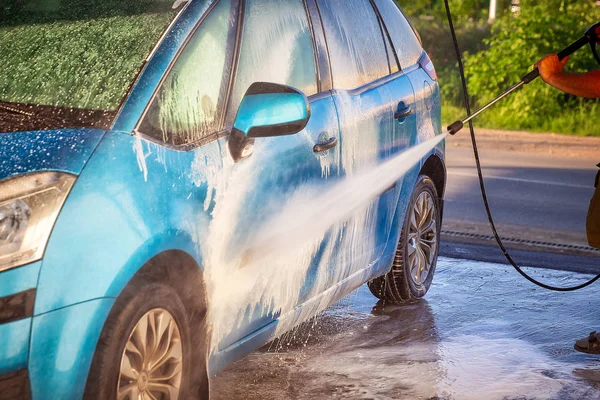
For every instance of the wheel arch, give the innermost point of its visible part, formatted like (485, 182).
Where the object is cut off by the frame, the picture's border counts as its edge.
(179, 270)
(435, 168)
(177, 267)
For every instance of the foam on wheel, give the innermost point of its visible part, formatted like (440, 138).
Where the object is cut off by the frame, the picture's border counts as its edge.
(416, 256)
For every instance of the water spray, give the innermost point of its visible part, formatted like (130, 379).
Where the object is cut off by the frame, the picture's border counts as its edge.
(591, 36)
(303, 221)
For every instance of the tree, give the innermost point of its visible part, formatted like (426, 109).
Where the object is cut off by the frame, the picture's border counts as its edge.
(515, 44)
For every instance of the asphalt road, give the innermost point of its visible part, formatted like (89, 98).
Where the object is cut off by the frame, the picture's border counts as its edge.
(532, 196)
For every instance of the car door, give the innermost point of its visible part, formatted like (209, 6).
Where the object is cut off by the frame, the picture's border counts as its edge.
(249, 283)
(276, 45)
(376, 109)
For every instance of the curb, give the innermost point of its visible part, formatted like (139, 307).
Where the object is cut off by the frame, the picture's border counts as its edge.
(525, 243)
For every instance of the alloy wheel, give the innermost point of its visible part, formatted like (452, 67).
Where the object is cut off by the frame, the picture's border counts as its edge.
(152, 361)
(422, 238)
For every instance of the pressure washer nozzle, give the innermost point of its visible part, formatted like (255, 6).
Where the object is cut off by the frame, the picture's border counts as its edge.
(455, 127)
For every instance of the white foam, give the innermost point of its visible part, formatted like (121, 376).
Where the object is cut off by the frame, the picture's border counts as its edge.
(141, 156)
(267, 274)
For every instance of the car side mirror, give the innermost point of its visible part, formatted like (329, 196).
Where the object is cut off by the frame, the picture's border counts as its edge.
(267, 110)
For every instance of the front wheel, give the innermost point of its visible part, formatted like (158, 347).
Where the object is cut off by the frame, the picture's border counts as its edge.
(416, 257)
(145, 350)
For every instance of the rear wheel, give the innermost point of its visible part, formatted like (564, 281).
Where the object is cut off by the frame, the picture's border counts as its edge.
(145, 350)
(416, 256)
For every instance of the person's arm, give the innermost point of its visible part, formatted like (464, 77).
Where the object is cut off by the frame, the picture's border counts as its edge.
(583, 85)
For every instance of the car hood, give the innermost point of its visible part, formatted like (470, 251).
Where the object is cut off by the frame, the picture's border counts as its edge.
(64, 150)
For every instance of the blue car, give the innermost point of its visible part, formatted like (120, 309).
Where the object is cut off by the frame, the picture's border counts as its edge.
(183, 181)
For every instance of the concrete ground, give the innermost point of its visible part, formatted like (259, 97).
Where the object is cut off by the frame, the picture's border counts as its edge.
(482, 332)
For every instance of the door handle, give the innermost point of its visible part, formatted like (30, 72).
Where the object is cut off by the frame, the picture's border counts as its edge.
(324, 146)
(403, 111)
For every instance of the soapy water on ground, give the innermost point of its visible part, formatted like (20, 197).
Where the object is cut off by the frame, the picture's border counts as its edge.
(482, 332)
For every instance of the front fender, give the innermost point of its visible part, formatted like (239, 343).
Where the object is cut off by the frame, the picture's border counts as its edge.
(117, 217)
(62, 348)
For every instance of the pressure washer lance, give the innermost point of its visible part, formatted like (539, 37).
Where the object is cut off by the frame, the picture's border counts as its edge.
(590, 36)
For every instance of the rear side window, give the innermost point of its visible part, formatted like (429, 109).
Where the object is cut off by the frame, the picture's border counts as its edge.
(276, 47)
(186, 108)
(356, 47)
(403, 37)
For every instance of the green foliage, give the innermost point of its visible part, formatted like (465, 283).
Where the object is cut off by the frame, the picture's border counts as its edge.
(498, 55)
(515, 45)
(462, 10)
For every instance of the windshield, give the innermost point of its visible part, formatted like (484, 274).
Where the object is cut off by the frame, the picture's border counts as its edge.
(69, 63)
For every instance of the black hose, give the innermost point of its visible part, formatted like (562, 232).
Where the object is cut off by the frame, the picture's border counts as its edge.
(480, 174)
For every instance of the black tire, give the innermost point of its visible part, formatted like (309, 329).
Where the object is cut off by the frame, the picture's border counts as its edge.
(136, 300)
(398, 286)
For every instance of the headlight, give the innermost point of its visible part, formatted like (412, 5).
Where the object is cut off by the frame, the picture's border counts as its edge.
(29, 206)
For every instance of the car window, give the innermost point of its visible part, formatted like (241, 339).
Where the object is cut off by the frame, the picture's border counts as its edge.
(405, 41)
(276, 47)
(186, 107)
(67, 64)
(356, 46)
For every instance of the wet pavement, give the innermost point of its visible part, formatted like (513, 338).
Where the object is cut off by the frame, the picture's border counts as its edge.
(482, 332)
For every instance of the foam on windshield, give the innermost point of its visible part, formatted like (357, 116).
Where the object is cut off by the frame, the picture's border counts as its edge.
(76, 54)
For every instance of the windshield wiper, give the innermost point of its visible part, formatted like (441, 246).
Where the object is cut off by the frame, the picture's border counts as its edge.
(28, 117)
(15, 110)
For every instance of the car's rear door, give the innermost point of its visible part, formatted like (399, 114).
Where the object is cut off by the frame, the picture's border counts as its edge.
(413, 62)
(376, 109)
